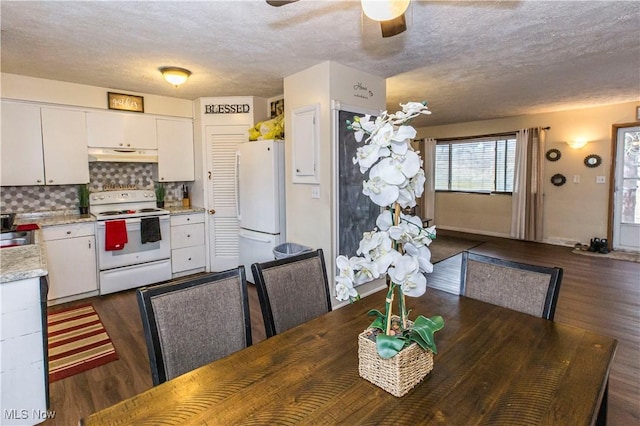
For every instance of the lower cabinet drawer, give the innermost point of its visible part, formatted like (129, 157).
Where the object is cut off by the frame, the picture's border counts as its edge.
(187, 258)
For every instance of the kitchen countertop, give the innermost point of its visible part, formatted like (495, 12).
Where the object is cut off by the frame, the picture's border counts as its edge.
(52, 218)
(177, 210)
(23, 262)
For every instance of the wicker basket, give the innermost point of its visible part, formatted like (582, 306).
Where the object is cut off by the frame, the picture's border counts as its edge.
(397, 375)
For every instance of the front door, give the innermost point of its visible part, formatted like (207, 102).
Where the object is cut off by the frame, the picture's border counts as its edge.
(222, 144)
(626, 213)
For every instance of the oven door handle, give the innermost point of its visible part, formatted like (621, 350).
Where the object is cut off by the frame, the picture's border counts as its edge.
(165, 218)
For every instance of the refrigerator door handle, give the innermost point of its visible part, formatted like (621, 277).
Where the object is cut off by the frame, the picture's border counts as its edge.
(237, 184)
(252, 238)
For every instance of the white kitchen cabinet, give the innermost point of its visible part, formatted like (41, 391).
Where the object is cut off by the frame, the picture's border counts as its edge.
(187, 244)
(121, 130)
(42, 145)
(64, 142)
(175, 151)
(71, 261)
(22, 161)
(23, 376)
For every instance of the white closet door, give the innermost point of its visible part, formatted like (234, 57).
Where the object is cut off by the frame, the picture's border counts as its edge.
(222, 144)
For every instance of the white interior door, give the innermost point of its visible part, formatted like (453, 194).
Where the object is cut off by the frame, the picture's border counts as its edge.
(222, 144)
(626, 222)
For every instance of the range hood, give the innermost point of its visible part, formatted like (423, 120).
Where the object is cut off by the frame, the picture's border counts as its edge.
(123, 155)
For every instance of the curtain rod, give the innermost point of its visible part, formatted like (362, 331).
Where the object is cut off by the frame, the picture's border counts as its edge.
(489, 135)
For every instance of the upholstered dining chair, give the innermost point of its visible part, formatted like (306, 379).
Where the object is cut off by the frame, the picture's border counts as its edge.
(193, 321)
(531, 289)
(292, 290)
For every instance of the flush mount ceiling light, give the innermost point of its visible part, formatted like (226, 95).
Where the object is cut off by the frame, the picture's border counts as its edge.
(175, 75)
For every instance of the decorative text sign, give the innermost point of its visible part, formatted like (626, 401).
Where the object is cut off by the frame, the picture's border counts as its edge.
(125, 102)
(227, 109)
(360, 90)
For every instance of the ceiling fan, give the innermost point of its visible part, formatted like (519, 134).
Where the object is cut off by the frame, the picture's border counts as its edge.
(390, 13)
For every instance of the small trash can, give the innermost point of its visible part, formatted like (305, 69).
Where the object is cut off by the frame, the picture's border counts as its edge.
(289, 249)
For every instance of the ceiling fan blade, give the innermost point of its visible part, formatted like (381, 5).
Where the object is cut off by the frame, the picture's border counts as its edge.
(278, 3)
(393, 26)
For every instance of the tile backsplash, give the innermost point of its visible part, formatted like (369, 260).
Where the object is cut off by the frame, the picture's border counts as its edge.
(29, 199)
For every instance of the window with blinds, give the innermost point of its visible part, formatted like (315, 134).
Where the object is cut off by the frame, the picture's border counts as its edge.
(475, 164)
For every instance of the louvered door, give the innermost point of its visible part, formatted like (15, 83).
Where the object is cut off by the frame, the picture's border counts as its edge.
(222, 144)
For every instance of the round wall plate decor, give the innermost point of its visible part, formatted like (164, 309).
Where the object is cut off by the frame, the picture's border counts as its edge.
(592, 160)
(558, 179)
(553, 154)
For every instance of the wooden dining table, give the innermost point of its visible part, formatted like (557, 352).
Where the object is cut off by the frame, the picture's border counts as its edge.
(493, 366)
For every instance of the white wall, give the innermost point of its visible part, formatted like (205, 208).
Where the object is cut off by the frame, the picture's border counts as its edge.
(310, 221)
(574, 212)
(20, 87)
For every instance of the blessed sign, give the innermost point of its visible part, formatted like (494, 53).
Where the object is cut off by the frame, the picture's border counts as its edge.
(227, 109)
(125, 102)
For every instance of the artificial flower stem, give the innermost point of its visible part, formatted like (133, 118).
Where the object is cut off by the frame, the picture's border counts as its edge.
(389, 303)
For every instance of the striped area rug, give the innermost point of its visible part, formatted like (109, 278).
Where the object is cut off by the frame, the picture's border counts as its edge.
(77, 342)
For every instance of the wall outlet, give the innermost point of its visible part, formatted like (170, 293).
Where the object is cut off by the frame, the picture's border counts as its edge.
(601, 179)
(315, 191)
(576, 178)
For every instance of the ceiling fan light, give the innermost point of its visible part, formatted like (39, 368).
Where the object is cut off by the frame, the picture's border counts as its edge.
(384, 10)
(174, 75)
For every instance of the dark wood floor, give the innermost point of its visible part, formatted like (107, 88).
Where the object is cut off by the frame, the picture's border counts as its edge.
(598, 294)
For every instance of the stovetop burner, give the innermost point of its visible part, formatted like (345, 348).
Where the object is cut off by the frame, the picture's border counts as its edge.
(115, 212)
(124, 204)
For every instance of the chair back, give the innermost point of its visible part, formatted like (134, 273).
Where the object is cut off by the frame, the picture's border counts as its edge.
(191, 322)
(292, 290)
(531, 289)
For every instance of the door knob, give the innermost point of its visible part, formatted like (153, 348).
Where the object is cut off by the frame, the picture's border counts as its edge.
(212, 211)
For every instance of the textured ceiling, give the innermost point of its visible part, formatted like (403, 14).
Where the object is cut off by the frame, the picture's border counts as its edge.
(469, 60)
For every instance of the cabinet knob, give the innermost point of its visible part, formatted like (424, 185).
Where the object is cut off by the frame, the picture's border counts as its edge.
(120, 144)
(39, 180)
(188, 235)
(50, 180)
(189, 258)
(188, 219)
(128, 144)
(212, 211)
(68, 232)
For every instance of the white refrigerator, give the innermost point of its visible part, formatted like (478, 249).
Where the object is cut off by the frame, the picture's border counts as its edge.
(260, 200)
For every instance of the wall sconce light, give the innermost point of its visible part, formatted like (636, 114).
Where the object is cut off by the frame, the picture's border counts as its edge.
(174, 75)
(384, 10)
(577, 143)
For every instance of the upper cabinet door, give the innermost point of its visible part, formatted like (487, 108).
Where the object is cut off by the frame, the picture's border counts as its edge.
(175, 151)
(64, 140)
(117, 130)
(21, 155)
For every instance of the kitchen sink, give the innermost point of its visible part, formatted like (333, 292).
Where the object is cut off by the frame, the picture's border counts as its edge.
(16, 238)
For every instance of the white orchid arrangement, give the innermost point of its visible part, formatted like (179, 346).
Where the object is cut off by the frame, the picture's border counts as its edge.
(399, 245)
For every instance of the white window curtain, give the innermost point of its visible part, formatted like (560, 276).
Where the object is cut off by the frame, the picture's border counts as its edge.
(429, 196)
(528, 179)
